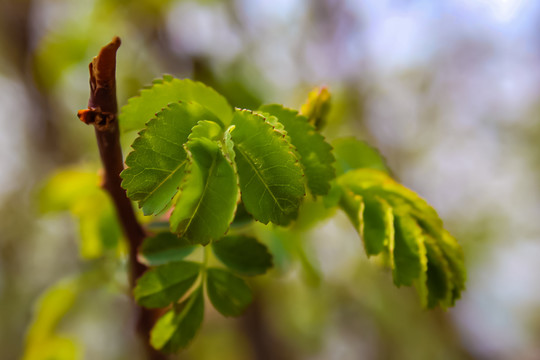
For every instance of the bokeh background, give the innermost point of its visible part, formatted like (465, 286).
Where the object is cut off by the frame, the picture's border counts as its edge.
(448, 90)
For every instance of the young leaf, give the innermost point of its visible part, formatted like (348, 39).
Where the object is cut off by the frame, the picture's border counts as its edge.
(270, 177)
(175, 330)
(243, 255)
(206, 205)
(317, 107)
(157, 164)
(165, 284)
(355, 154)
(421, 250)
(77, 191)
(164, 248)
(142, 108)
(409, 251)
(229, 294)
(315, 153)
(378, 229)
(439, 275)
(42, 341)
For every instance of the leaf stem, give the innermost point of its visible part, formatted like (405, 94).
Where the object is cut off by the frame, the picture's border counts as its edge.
(206, 256)
(102, 112)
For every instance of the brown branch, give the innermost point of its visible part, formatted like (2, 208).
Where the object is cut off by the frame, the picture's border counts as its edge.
(102, 112)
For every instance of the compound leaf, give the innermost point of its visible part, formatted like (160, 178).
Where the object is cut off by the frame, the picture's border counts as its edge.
(165, 284)
(229, 294)
(164, 248)
(243, 255)
(271, 180)
(142, 108)
(156, 166)
(394, 219)
(175, 330)
(315, 153)
(206, 205)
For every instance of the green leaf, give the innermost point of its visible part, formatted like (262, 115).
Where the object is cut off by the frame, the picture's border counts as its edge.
(394, 219)
(42, 342)
(206, 205)
(165, 284)
(243, 254)
(77, 191)
(156, 166)
(229, 294)
(142, 108)
(175, 330)
(270, 178)
(409, 251)
(164, 248)
(355, 154)
(378, 229)
(315, 153)
(439, 275)
(317, 106)
(50, 309)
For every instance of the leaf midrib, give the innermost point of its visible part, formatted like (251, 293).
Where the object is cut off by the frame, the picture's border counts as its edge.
(248, 160)
(168, 286)
(210, 172)
(164, 180)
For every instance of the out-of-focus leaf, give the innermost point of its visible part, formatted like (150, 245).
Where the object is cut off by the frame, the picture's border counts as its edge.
(78, 192)
(164, 248)
(175, 330)
(378, 225)
(409, 251)
(229, 294)
(317, 106)
(42, 343)
(315, 153)
(140, 109)
(393, 218)
(355, 154)
(58, 52)
(271, 180)
(157, 165)
(206, 205)
(165, 284)
(243, 255)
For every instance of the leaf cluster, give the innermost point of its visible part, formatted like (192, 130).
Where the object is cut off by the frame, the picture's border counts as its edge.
(204, 166)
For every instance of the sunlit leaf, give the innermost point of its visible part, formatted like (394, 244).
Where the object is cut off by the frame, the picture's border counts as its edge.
(243, 254)
(42, 342)
(271, 180)
(229, 294)
(409, 251)
(317, 106)
(378, 225)
(394, 219)
(175, 330)
(142, 108)
(315, 153)
(164, 248)
(165, 284)
(78, 192)
(156, 166)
